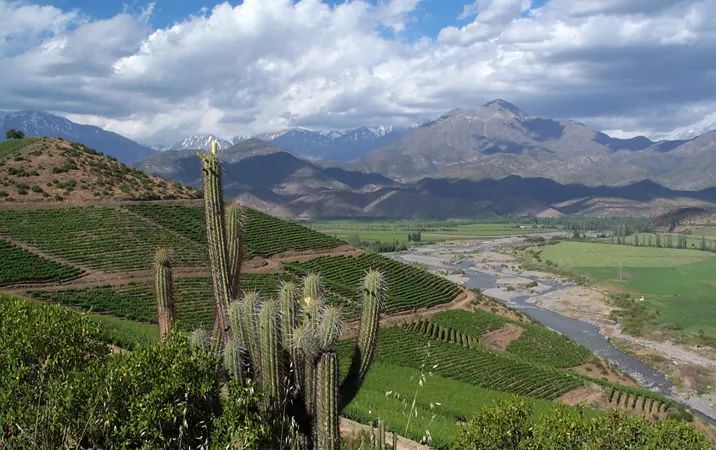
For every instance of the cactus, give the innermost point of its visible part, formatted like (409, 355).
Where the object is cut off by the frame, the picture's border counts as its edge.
(381, 435)
(373, 293)
(261, 339)
(164, 291)
(327, 430)
(217, 240)
(269, 339)
(235, 219)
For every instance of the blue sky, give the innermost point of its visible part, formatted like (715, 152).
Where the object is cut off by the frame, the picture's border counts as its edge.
(431, 17)
(263, 65)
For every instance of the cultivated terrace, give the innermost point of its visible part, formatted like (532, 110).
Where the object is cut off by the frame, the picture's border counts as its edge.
(139, 313)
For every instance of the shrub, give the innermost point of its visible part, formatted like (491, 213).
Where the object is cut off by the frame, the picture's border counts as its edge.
(505, 425)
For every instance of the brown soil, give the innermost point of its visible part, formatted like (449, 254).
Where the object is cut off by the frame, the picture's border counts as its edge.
(591, 394)
(502, 337)
(53, 167)
(350, 428)
(613, 376)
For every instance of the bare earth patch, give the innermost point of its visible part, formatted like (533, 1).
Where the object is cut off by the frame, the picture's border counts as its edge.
(502, 337)
(576, 302)
(591, 394)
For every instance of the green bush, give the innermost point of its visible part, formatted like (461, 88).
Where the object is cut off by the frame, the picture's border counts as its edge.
(60, 388)
(504, 425)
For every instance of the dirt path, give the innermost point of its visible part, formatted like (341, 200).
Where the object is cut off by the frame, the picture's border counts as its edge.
(463, 301)
(351, 428)
(502, 337)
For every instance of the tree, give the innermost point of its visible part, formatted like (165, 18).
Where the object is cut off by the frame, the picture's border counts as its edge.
(14, 134)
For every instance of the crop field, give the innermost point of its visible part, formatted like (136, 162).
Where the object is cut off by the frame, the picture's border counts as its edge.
(536, 343)
(407, 286)
(119, 239)
(12, 145)
(135, 301)
(388, 392)
(17, 264)
(485, 368)
(99, 237)
(265, 235)
(677, 283)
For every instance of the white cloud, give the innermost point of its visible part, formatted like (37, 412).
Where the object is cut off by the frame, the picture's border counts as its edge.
(268, 64)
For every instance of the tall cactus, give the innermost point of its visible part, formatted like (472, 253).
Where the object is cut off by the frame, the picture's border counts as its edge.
(164, 291)
(235, 220)
(261, 339)
(373, 293)
(327, 430)
(269, 339)
(217, 240)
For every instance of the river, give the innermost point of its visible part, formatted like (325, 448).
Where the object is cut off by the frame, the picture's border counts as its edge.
(577, 330)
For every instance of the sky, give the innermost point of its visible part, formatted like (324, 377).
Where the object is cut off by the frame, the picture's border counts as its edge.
(160, 71)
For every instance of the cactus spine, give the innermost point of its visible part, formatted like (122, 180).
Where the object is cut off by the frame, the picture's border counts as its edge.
(217, 240)
(373, 292)
(164, 291)
(327, 430)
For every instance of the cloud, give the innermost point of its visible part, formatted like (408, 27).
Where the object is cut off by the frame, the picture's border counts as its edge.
(631, 66)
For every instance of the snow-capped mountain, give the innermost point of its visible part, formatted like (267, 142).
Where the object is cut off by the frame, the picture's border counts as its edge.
(692, 133)
(196, 143)
(40, 123)
(332, 144)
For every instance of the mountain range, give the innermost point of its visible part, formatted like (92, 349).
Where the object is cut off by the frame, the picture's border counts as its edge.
(269, 178)
(39, 123)
(498, 139)
(340, 146)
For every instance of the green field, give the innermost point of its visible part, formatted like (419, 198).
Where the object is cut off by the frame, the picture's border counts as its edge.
(389, 231)
(677, 284)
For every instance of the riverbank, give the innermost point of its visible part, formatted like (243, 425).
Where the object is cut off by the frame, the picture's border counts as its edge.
(580, 313)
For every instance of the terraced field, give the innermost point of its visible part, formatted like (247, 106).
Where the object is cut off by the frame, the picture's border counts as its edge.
(18, 264)
(480, 367)
(536, 343)
(408, 287)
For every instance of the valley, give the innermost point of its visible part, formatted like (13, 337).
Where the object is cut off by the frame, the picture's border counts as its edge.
(501, 270)
(468, 326)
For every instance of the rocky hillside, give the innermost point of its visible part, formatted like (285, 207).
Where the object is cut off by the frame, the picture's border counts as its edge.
(498, 140)
(683, 218)
(55, 170)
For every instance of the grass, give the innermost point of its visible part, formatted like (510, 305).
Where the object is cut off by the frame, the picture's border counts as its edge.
(678, 284)
(13, 145)
(388, 391)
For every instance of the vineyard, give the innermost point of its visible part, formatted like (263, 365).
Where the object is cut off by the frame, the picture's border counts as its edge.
(537, 343)
(265, 234)
(473, 364)
(408, 287)
(99, 237)
(113, 238)
(20, 265)
(194, 302)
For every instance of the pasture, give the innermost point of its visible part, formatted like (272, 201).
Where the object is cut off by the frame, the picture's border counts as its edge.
(676, 283)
